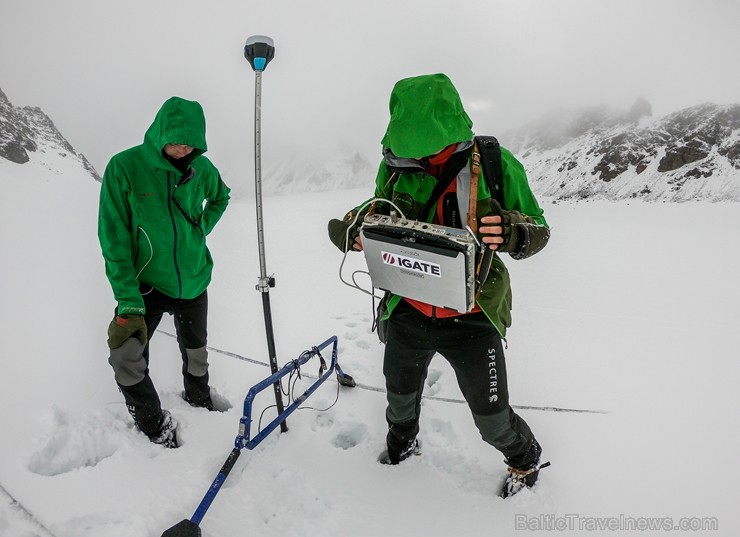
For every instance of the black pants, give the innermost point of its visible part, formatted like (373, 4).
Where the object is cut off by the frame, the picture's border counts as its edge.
(473, 348)
(190, 318)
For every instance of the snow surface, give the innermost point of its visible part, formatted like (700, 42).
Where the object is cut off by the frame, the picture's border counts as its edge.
(631, 309)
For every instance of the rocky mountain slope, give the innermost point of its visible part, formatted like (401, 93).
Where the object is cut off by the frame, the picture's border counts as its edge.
(28, 134)
(689, 155)
(594, 153)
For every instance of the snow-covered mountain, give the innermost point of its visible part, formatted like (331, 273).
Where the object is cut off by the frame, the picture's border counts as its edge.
(29, 131)
(689, 155)
(594, 153)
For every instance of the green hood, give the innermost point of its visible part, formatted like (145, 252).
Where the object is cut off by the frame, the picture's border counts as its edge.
(179, 121)
(427, 115)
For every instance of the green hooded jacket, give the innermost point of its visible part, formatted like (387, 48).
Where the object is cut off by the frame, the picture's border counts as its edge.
(154, 217)
(427, 115)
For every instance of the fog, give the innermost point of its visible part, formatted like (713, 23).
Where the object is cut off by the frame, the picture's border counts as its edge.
(101, 69)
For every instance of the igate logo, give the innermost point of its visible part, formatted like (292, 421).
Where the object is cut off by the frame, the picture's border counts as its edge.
(415, 265)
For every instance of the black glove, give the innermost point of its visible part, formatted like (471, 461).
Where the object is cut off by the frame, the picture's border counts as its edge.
(510, 230)
(338, 231)
(123, 327)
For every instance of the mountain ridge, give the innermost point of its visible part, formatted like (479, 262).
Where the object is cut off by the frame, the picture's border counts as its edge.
(28, 131)
(591, 153)
(689, 155)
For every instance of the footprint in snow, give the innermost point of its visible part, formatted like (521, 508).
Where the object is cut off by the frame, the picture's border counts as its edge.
(220, 402)
(351, 435)
(74, 442)
(323, 419)
(433, 377)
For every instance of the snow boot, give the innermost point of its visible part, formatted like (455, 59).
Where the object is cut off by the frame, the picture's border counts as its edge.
(206, 403)
(412, 448)
(519, 479)
(166, 435)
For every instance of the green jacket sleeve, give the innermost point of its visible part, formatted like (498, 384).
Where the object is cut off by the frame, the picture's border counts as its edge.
(518, 195)
(217, 199)
(114, 234)
(528, 228)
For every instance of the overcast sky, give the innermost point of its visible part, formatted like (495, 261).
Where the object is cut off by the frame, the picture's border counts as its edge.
(101, 69)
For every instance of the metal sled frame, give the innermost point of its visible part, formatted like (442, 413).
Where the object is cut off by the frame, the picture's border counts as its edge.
(243, 440)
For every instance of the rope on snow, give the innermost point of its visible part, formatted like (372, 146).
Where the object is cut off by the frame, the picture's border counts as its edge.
(382, 390)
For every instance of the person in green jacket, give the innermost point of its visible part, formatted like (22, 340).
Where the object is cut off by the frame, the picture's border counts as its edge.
(158, 201)
(429, 143)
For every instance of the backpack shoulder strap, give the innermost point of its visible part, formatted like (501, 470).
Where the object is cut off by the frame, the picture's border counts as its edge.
(490, 159)
(490, 162)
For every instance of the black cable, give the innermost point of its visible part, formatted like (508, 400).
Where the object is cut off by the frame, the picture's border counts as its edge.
(429, 397)
(25, 513)
(259, 422)
(336, 399)
(293, 378)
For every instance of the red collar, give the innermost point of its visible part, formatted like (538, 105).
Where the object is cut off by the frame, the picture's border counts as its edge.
(442, 156)
(435, 164)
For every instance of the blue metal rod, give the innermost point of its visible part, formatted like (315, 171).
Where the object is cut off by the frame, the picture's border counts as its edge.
(215, 486)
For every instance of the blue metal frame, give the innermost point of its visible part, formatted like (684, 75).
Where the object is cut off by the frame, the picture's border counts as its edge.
(243, 440)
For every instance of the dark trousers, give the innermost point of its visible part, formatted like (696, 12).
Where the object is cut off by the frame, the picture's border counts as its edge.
(473, 348)
(190, 319)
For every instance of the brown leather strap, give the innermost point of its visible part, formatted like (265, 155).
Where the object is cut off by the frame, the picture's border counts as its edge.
(473, 204)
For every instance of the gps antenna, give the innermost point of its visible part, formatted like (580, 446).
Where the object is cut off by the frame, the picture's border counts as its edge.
(259, 50)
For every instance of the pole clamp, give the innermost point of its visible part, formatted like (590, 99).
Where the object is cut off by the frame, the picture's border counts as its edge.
(264, 284)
